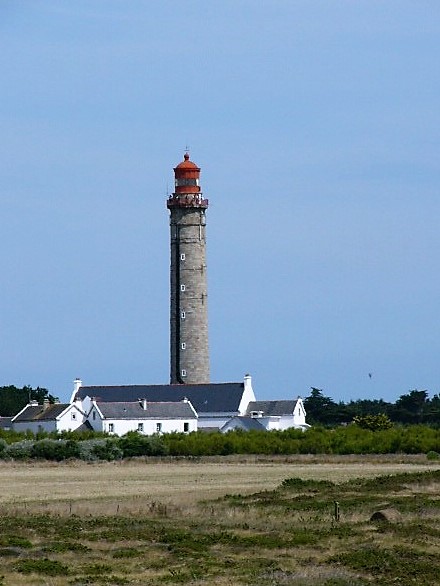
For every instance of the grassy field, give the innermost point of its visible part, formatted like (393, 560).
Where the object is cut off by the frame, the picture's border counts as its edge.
(221, 521)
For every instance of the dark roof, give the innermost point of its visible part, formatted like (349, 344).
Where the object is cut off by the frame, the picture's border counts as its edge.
(272, 407)
(85, 426)
(5, 422)
(41, 412)
(246, 423)
(124, 410)
(206, 398)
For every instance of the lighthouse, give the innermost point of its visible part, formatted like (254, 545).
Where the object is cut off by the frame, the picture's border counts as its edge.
(189, 349)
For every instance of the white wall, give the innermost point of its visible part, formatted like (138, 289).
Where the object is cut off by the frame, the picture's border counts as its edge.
(212, 421)
(248, 395)
(35, 426)
(123, 426)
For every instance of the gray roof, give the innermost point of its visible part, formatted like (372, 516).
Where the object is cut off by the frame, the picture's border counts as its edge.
(246, 423)
(5, 422)
(272, 407)
(206, 398)
(134, 410)
(41, 412)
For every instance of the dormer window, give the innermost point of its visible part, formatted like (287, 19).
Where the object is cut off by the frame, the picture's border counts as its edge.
(256, 414)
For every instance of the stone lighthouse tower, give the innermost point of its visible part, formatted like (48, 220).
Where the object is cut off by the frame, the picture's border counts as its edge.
(189, 308)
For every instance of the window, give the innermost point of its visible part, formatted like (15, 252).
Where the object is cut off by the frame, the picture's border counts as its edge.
(111, 427)
(184, 181)
(183, 345)
(182, 315)
(158, 427)
(140, 427)
(94, 415)
(182, 256)
(186, 427)
(182, 287)
(73, 415)
(183, 372)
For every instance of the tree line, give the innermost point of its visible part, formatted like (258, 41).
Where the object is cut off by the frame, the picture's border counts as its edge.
(415, 407)
(13, 399)
(349, 439)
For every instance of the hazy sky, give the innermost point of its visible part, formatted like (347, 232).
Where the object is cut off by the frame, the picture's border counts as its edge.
(317, 128)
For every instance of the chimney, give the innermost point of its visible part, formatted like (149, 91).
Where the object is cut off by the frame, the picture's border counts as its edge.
(46, 404)
(77, 383)
(144, 404)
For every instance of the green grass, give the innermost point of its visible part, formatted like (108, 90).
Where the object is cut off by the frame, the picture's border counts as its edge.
(287, 536)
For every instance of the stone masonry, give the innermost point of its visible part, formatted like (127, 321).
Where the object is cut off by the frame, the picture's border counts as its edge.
(189, 350)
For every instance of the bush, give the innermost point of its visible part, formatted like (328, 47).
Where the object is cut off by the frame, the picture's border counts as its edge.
(51, 449)
(3, 446)
(89, 449)
(108, 450)
(134, 444)
(19, 450)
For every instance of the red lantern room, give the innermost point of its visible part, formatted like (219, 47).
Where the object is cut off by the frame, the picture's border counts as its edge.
(187, 191)
(187, 176)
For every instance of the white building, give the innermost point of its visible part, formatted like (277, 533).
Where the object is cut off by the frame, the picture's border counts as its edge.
(49, 417)
(214, 403)
(147, 418)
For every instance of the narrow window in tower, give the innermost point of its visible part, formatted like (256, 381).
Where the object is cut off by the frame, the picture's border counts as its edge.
(182, 287)
(182, 256)
(182, 315)
(183, 345)
(183, 373)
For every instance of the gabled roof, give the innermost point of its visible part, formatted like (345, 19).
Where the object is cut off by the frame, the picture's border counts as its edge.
(205, 398)
(134, 410)
(41, 412)
(246, 423)
(272, 407)
(85, 426)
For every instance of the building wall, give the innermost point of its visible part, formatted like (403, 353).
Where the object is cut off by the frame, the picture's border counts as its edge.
(35, 426)
(189, 349)
(149, 426)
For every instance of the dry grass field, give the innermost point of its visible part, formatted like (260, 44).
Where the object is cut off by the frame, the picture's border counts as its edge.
(179, 482)
(223, 521)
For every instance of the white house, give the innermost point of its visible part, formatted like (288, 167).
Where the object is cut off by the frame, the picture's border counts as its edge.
(279, 415)
(147, 418)
(49, 417)
(214, 403)
(243, 423)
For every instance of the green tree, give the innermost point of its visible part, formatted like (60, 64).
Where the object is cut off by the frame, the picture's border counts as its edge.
(13, 399)
(411, 408)
(322, 409)
(373, 422)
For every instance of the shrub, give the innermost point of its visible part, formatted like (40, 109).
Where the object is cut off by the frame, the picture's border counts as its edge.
(108, 450)
(134, 444)
(373, 422)
(51, 449)
(45, 566)
(19, 450)
(3, 446)
(89, 449)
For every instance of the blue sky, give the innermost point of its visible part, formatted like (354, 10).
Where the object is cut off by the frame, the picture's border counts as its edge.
(316, 125)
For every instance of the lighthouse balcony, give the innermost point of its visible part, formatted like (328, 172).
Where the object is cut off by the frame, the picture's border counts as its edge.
(187, 201)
